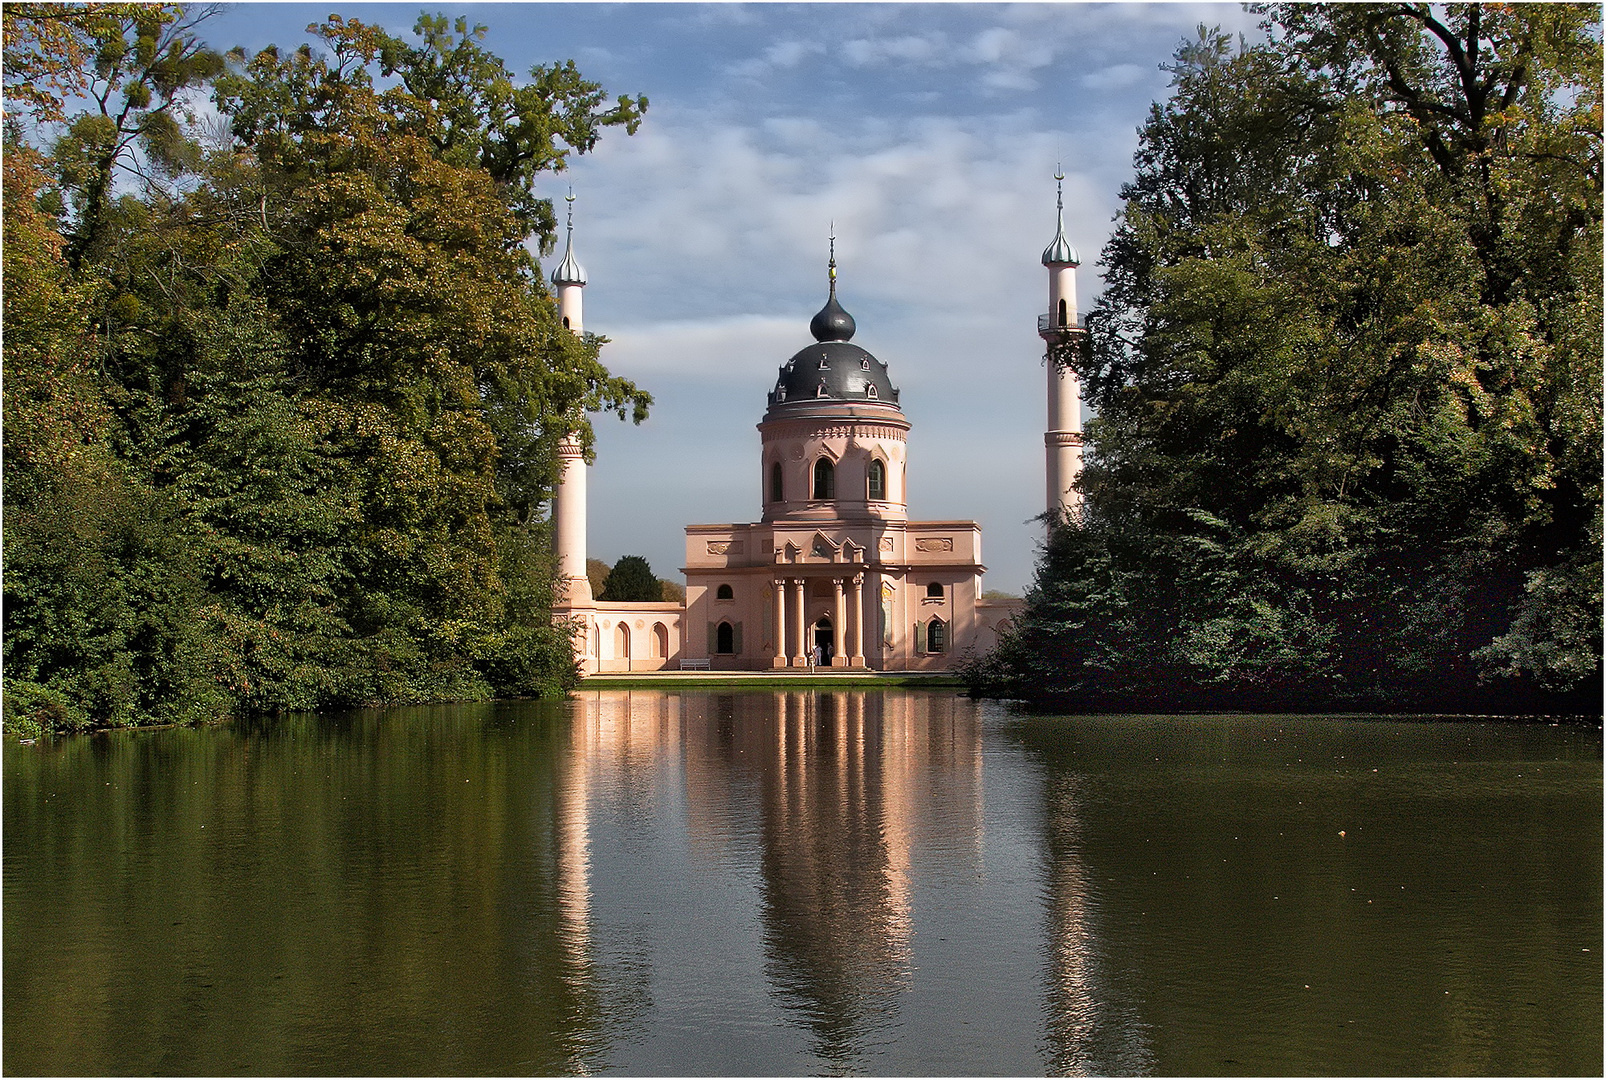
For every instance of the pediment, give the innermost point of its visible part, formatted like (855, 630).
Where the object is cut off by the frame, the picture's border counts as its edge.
(823, 547)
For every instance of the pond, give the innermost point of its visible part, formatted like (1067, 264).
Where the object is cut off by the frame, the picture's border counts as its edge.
(803, 883)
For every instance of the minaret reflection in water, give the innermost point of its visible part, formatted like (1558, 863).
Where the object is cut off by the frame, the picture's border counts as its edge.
(613, 747)
(1091, 1030)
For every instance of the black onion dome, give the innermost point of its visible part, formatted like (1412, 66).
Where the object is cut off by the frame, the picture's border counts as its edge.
(833, 323)
(830, 371)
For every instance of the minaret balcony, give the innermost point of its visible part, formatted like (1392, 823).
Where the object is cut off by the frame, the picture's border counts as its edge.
(1058, 332)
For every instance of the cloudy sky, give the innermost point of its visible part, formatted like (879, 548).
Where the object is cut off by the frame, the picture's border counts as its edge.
(928, 132)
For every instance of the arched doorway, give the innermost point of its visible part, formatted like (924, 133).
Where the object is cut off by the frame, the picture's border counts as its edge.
(824, 642)
(621, 643)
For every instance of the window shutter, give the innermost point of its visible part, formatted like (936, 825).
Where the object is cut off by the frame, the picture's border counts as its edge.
(713, 639)
(736, 640)
(920, 639)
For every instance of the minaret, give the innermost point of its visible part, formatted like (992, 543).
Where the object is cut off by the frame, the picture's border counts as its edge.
(569, 497)
(1063, 332)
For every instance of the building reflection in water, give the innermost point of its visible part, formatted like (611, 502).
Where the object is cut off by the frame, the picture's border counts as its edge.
(846, 802)
(831, 793)
(1092, 1029)
(835, 809)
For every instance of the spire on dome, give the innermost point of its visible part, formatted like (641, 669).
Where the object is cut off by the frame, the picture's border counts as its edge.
(569, 271)
(832, 323)
(1059, 251)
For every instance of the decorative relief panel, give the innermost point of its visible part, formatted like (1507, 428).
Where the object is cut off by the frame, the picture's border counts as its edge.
(725, 547)
(886, 543)
(934, 543)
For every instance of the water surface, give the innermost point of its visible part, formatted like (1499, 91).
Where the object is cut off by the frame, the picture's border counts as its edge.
(831, 883)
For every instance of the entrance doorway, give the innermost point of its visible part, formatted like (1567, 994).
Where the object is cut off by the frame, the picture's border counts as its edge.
(824, 648)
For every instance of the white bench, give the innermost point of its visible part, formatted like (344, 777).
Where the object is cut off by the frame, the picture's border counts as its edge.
(695, 665)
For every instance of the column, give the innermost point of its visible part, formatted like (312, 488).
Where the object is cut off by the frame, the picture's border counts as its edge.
(800, 658)
(779, 660)
(839, 619)
(569, 525)
(857, 658)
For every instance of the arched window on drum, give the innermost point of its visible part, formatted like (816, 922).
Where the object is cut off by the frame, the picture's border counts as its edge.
(824, 479)
(876, 484)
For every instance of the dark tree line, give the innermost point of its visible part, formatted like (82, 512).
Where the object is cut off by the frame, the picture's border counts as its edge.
(1347, 371)
(281, 393)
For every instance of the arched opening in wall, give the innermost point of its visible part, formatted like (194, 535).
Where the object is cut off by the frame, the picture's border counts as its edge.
(824, 479)
(1064, 314)
(936, 636)
(724, 592)
(934, 590)
(621, 642)
(660, 641)
(877, 485)
(596, 641)
(775, 481)
(824, 642)
(725, 639)
(565, 322)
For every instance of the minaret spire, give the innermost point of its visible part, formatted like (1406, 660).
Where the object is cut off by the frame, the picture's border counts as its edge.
(569, 271)
(1059, 251)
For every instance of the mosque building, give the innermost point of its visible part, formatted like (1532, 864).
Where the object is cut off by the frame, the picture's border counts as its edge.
(834, 573)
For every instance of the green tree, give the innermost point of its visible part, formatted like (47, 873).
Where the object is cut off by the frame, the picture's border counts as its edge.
(1347, 373)
(597, 574)
(631, 581)
(324, 368)
(134, 64)
(101, 583)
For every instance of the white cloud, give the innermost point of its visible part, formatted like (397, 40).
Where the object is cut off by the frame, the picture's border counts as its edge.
(781, 56)
(1117, 76)
(907, 49)
(699, 349)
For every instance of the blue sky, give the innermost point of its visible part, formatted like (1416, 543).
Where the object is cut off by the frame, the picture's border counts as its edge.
(928, 132)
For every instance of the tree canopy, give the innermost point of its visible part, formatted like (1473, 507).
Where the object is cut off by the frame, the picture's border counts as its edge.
(1347, 371)
(282, 396)
(632, 581)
